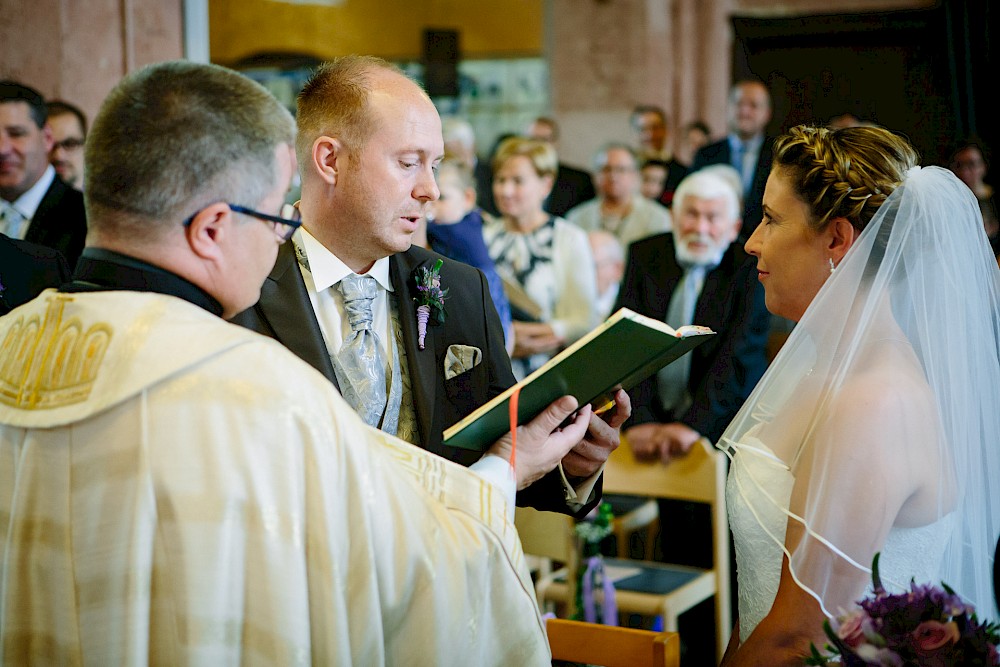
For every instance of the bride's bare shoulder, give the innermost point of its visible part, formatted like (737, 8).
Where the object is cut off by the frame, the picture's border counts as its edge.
(887, 390)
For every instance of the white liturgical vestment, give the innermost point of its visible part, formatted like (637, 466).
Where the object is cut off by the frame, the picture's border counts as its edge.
(176, 490)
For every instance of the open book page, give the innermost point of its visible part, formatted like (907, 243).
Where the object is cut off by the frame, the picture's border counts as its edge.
(622, 351)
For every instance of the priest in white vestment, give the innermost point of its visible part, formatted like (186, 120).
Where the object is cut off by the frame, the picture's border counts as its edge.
(177, 490)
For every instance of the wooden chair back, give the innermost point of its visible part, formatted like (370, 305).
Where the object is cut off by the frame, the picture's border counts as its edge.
(550, 538)
(698, 477)
(612, 646)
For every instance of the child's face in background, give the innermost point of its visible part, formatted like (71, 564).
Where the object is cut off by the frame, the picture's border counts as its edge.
(654, 178)
(453, 204)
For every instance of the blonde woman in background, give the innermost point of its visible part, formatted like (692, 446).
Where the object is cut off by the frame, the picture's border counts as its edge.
(543, 255)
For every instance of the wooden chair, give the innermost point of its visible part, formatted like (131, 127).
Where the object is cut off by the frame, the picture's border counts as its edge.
(634, 517)
(612, 646)
(550, 546)
(660, 589)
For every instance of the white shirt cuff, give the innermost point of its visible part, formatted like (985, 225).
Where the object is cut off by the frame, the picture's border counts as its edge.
(577, 497)
(497, 471)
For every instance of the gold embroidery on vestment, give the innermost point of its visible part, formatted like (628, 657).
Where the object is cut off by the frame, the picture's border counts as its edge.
(50, 363)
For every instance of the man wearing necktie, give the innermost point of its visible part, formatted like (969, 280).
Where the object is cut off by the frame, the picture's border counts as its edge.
(341, 295)
(745, 147)
(35, 204)
(695, 275)
(179, 487)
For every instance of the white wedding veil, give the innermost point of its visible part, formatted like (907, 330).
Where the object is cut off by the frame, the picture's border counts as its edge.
(884, 404)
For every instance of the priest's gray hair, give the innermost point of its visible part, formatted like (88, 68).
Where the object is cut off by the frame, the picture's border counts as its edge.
(176, 136)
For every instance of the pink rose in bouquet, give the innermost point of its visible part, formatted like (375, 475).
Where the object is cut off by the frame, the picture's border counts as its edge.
(925, 626)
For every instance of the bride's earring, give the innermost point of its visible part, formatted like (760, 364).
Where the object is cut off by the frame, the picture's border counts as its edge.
(832, 267)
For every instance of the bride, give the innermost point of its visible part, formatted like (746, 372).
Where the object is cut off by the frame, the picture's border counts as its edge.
(877, 427)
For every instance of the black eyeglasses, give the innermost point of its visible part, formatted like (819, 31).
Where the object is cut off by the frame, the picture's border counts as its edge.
(284, 226)
(69, 145)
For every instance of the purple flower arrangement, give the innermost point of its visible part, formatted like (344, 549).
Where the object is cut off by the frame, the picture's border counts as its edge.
(925, 626)
(430, 298)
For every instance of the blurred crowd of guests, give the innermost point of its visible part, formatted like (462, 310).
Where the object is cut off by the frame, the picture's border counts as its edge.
(557, 237)
(553, 239)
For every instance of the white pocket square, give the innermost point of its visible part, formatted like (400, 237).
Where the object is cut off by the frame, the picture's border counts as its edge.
(461, 359)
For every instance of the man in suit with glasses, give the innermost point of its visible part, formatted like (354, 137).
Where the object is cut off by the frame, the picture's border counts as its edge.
(176, 486)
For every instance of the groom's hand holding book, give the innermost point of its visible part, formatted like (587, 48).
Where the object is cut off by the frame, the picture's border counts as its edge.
(603, 437)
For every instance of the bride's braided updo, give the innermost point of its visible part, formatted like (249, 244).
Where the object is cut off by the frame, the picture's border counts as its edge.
(843, 173)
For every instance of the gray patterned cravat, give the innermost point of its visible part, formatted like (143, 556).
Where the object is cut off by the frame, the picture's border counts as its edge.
(11, 221)
(360, 358)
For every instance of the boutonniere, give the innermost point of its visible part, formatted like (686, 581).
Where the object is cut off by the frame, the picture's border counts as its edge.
(430, 298)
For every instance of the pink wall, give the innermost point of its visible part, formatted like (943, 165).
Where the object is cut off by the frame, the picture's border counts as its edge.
(79, 50)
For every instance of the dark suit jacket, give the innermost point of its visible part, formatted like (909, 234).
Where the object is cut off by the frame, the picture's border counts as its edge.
(60, 221)
(572, 186)
(725, 368)
(26, 269)
(285, 313)
(484, 187)
(675, 174)
(720, 153)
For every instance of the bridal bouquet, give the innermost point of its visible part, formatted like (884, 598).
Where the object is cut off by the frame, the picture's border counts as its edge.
(926, 626)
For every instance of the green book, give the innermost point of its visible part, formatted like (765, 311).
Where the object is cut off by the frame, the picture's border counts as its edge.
(624, 350)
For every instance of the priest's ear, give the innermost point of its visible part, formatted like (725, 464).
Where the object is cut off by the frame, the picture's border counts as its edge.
(841, 237)
(206, 230)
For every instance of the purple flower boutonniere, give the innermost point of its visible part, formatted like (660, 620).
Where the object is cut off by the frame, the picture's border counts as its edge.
(430, 298)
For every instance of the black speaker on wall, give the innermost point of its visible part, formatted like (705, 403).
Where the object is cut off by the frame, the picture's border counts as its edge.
(441, 62)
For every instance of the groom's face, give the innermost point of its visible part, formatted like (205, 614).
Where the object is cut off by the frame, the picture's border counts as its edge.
(384, 188)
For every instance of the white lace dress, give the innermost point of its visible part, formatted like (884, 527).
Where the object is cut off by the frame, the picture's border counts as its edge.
(757, 494)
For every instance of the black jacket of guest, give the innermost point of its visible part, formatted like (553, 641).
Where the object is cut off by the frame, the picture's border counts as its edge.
(572, 186)
(26, 269)
(60, 221)
(675, 174)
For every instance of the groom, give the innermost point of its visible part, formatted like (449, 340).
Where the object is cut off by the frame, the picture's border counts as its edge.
(369, 140)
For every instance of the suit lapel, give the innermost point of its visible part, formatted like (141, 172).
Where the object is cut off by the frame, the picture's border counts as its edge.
(284, 304)
(423, 374)
(47, 226)
(53, 196)
(661, 281)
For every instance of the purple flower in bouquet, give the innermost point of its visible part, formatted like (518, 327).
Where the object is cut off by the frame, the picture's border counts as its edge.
(430, 298)
(925, 626)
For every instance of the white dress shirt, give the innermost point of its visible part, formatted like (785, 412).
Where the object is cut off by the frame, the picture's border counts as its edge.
(27, 204)
(325, 271)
